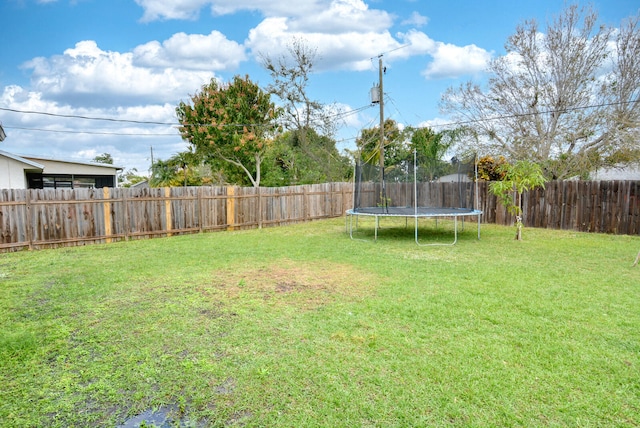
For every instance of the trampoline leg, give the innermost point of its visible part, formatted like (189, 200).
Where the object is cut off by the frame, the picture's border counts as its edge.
(455, 234)
(478, 227)
(455, 230)
(376, 229)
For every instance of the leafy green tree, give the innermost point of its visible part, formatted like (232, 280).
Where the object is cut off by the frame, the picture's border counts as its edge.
(518, 178)
(287, 162)
(431, 148)
(163, 174)
(182, 169)
(130, 177)
(185, 164)
(230, 126)
(395, 144)
(564, 96)
(104, 158)
(491, 169)
(307, 152)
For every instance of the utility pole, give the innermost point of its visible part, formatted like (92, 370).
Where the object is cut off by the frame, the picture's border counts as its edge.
(151, 168)
(383, 194)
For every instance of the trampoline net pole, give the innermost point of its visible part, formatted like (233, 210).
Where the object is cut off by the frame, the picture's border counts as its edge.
(357, 177)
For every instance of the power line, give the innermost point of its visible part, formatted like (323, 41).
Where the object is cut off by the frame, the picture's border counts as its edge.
(389, 51)
(62, 131)
(338, 115)
(75, 116)
(516, 115)
(343, 114)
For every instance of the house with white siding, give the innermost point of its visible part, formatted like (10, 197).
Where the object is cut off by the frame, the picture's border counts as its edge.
(39, 172)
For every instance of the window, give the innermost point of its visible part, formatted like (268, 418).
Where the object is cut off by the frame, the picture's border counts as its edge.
(59, 181)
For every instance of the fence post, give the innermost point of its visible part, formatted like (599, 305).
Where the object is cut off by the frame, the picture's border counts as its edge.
(200, 209)
(167, 209)
(30, 223)
(305, 203)
(343, 198)
(106, 206)
(259, 208)
(125, 210)
(231, 207)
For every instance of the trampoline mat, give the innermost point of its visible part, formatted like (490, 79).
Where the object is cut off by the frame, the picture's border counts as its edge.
(413, 212)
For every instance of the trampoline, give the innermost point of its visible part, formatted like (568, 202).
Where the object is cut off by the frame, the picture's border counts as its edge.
(411, 192)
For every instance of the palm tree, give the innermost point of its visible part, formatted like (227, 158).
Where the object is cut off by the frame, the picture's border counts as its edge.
(163, 174)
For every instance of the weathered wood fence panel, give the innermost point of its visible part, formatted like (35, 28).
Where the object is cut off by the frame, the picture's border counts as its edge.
(585, 206)
(65, 217)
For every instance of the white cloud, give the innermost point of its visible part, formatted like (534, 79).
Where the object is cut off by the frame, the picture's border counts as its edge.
(171, 9)
(416, 20)
(450, 61)
(416, 43)
(349, 50)
(346, 33)
(87, 73)
(190, 9)
(212, 52)
(327, 16)
(343, 16)
(82, 139)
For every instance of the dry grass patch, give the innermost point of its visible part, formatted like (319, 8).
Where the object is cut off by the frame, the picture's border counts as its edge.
(289, 282)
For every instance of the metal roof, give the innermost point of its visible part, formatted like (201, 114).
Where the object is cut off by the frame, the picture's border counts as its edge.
(21, 159)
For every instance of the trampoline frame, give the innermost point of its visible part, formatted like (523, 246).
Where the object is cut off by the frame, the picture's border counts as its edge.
(419, 212)
(415, 212)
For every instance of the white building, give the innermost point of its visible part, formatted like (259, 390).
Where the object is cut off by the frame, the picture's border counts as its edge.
(37, 172)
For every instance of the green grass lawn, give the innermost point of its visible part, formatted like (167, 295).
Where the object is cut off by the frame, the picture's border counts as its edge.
(302, 326)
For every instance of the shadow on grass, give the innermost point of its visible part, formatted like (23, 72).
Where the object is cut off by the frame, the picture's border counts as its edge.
(430, 231)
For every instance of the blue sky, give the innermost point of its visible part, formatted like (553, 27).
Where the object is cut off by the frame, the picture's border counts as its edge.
(137, 59)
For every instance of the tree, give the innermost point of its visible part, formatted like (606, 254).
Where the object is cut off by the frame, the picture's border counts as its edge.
(130, 177)
(431, 148)
(104, 158)
(184, 164)
(230, 126)
(290, 74)
(182, 169)
(491, 169)
(163, 174)
(567, 98)
(395, 144)
(310, 123)
(523, 176)
(286, 162)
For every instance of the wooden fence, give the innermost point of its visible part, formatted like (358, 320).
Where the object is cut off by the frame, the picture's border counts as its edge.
(63, 217)
(586, 206)
(47, 218)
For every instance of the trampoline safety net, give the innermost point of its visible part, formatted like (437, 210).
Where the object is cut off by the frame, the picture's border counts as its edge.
(446, 186)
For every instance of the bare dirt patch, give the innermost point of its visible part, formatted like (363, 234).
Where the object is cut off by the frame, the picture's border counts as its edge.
(308, 284)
